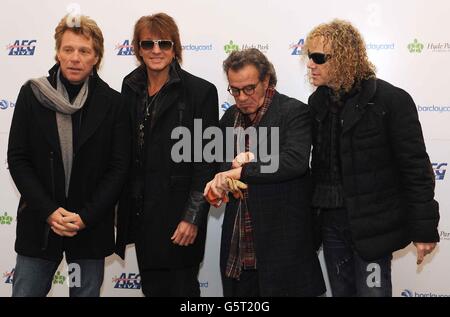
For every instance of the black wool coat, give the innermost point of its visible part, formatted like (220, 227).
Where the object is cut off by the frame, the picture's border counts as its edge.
(100, 167)
(279, 206)
(172, 191)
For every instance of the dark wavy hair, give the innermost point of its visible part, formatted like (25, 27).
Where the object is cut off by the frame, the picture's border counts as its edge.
(252, 56)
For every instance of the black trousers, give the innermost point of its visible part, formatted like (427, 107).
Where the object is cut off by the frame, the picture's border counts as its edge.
(246, 286)
(181, 282)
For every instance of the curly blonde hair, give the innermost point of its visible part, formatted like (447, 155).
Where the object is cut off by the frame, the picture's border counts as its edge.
(349, 63)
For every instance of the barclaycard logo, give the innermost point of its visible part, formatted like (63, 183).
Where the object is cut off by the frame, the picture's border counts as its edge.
(197, 47)
(225, 106)
(22, 48)
(407, 293)
(6, 104)
(410, 293)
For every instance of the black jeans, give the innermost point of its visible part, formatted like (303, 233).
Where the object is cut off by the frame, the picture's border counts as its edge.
(246, 286)
(181, 282)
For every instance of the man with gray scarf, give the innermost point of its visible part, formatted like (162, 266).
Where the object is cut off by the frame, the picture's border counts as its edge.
(68, 155)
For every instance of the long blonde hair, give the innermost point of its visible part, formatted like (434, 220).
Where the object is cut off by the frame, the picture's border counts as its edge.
(349, 62)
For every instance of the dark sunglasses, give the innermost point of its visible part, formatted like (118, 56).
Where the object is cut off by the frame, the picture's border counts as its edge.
(319, 58)
(150, 44)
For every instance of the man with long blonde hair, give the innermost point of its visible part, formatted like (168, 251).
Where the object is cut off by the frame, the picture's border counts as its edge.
(373, 180)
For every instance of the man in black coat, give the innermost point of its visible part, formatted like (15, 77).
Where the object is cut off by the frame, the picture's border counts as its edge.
(374, 184)
(162, 209)
(267, 246)
(68, 155)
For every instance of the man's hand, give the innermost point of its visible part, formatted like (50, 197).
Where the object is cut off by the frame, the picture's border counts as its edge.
(75, 219)
(242, 158)
(65, 223)
(185, 234)
(219, 185)
(423, 249)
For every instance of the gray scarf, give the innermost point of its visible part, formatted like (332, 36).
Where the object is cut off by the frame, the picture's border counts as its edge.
(58, 100)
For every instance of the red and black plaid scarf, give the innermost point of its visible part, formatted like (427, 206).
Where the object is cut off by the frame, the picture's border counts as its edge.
(242, 249)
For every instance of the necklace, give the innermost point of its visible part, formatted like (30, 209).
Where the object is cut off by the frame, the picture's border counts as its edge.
(147, 114)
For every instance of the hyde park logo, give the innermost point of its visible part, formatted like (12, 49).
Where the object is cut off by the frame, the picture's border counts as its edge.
(6, 219)
(232, 46)
(58, 278)
(415, 47)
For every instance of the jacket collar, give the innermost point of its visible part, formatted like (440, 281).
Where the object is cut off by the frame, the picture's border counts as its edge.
(354, 107)
(137, 79)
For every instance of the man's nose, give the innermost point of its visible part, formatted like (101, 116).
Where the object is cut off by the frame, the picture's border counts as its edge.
(156, 48)
(242, 96)
(310, 63)
(75, 57)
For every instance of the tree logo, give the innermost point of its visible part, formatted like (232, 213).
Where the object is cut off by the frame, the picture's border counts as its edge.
(231, 47)
(415, 47)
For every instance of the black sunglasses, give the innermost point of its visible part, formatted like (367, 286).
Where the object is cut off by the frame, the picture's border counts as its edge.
(319, 58)
(150, 44)
(248, 90)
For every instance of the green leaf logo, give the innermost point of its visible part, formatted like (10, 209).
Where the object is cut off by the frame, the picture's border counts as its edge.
(6, 219)
(58, 278)
(415, 47)
(231, 47)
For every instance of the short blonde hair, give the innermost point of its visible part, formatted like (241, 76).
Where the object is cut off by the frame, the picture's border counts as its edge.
(86, 27)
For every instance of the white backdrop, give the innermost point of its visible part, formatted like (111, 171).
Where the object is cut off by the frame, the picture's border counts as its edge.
(408, 40)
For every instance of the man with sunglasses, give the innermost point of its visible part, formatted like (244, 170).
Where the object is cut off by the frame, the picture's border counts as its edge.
(267, 244)
(163, 210)
(373, 181)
